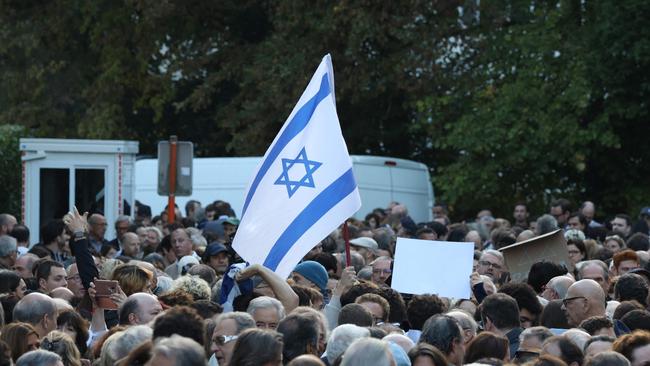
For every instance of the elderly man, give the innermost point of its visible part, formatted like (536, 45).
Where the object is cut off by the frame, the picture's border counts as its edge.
(467, 324)
(491, 264)
(595, 270)
(139, 308)
(38, 310)
(24, 265)
(227, 328)
(381, 270)
(122, 225)
(366, 247)
(183, 246)
(177, 350)
(8, 251)
(557, 287)
(341, 338)
(584, 299)
(74, 281)
(266, 311)
(96, 231)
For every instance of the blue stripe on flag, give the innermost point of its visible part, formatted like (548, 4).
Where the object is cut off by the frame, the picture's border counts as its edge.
(324, 202)
(297, 124)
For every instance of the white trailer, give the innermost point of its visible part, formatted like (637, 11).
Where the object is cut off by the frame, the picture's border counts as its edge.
(380, 180)
(94, 175)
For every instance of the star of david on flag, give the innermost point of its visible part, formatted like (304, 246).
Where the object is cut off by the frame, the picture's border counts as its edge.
(306, 180)
(304, 187)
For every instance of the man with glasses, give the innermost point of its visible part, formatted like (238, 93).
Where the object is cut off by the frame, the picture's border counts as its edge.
(584, 299)
(381, 270)
(74, 281)
(227, 328)
(491, 264)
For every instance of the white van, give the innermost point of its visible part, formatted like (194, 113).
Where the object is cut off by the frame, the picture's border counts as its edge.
(381, 180)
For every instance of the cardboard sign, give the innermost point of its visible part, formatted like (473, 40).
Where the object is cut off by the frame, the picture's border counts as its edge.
(433, 267)
(550, 247)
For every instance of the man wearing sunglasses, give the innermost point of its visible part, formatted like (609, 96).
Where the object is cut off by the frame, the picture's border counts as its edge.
(584, 299)
(227, 329)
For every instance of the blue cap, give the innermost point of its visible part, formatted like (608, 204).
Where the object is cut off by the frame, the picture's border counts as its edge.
(214, 249)
(315, 272)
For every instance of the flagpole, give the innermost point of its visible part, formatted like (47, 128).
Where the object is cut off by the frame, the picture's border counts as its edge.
(346, 237)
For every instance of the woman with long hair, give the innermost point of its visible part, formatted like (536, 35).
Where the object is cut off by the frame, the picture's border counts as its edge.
(21, 338)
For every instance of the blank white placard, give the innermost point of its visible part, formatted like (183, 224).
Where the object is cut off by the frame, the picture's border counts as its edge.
(433, 267)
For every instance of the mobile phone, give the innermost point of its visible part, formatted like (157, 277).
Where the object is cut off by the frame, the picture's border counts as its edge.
(104, 290)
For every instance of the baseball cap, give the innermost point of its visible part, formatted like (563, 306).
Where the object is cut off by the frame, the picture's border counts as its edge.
(214, 249)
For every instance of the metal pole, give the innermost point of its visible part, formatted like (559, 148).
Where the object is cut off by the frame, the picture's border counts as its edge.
(171, 202)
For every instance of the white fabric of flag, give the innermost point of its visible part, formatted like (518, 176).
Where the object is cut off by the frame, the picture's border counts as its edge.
(304, 187)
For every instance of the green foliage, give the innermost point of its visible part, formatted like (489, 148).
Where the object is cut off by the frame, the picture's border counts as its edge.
(506, 101)
(10, 165)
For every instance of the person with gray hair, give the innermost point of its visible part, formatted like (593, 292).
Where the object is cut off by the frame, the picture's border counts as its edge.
(266, 311)
(341, 338)
(545, 224)
(125, 341)
(467, 324)
(177, 350)
(608, 358)
(38, 310)
(39, 358)
(227, 328)
(557, 287)
(8, 251)
(443, 332)
(595, 270)
(491, 264)
(197, 239)
(368, 351)
(532, 338)
(122, 225)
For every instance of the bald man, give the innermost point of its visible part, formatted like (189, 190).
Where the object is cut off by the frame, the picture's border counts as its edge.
(584, 299)
(39, 310)
(139, 308)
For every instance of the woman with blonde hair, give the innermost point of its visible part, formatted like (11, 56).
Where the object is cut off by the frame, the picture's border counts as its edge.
(133, 279)
(61, 344)
(21, 338)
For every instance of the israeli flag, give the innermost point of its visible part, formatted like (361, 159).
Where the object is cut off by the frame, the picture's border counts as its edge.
(304, 187)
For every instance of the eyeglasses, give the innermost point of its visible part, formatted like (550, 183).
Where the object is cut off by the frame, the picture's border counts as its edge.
(489, 264)
(223, 339)
(380, 271)
(566, 301)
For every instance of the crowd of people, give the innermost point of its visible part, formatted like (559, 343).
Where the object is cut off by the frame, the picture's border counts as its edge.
(176, 293)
